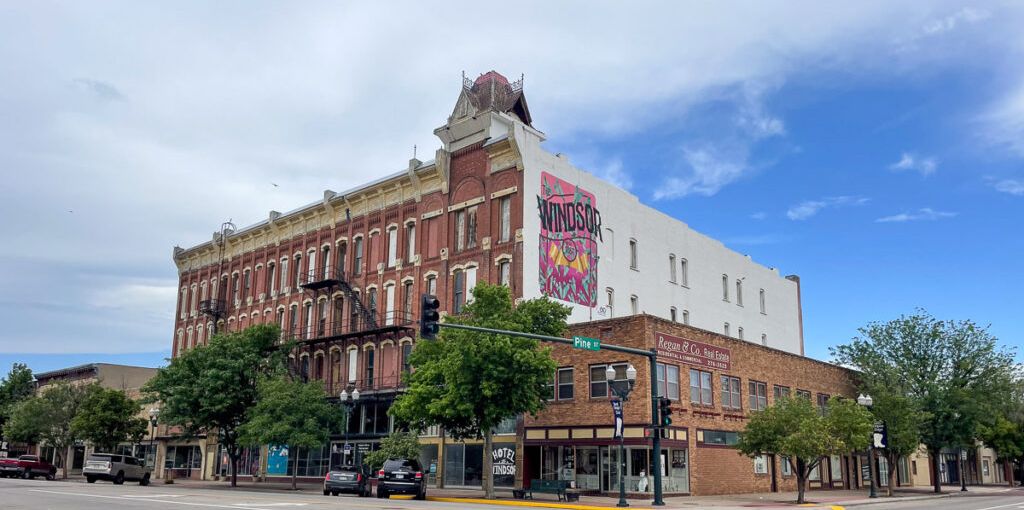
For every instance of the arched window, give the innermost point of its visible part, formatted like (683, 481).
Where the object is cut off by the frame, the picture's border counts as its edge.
(739, 332)
(298, 270)
(726, 329)
(271, 279)
(686, 317)
(739, 292)
(725, 287)
(672, 314)
(672, 268)
(634, 304)
(610, 301)
(684, 277)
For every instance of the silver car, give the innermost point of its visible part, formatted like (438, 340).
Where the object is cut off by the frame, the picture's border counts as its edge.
(116, 468)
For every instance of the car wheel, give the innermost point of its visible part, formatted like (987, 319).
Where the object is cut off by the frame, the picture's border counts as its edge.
(381, 494)
(51, 476)
(145, 480)
(335, 494)
(119, 479)
(26, 475)
(421, 496)
(90, 479)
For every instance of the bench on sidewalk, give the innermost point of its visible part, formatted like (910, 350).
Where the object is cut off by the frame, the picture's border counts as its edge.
(558, 487)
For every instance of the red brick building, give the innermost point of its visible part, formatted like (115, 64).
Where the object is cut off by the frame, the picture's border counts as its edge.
(715, 382)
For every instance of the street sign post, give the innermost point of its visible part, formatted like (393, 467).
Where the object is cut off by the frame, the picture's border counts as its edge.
(590, 344)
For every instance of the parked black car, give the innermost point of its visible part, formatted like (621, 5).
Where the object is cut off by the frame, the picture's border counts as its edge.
(348, 480)
(401, 476)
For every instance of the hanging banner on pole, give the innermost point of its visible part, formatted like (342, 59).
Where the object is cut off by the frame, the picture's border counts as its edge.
(617, 410)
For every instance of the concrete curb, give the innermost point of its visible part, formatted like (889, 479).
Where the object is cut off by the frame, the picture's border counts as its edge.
(880, 501)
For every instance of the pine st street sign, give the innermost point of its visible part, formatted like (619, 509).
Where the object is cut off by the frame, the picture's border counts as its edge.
(582, 342)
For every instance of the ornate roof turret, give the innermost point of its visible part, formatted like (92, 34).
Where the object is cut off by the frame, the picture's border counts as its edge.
(491, 92)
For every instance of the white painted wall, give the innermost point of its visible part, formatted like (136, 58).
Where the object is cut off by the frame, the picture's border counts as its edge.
(658, 235)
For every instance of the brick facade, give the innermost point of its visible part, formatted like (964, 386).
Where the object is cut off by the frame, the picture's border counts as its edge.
(713, 468)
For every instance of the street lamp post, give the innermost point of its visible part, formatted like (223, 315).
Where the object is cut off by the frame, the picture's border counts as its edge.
(348, 401)
(621, 389)
(154, 413)
(867, 401)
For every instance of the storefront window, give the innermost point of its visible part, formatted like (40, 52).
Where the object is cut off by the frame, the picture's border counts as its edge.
(463, 464)
(248, 463)
(507, 426)
(587, 469)
(183, 460)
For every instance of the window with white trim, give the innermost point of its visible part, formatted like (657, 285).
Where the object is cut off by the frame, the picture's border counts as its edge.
(731, 397)
(668, 381)
(725, 328)
(565, 383)
(410, 242)
(758, 394)
(686, 317)
(458, 290)
(609, 294)
(632, 254)
(389, 305)
(672, 314)
(634, 304)
(392, 246)
(684, 269)
(505, 272)
(470, 283)
(432, 285)
(599, 381)
(739, 332)
(353, 365)
(700, 388)
(725, 287)
(761, 298)
(299, 280)
(760, 464)
(672, 268)
(739, 292)
(357, 267)
(505, 219)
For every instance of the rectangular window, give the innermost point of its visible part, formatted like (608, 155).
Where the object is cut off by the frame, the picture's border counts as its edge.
(700, 387)
(293, 320)
(787, 468)
(371, 302)
(284, 274)
(803, 394)
(432, 285)
(761, 298)
(430, 230)
(634, 304)
(357, 268)
(672, 314)
(406, 353)
(505, 222)
(299, 280)
(725, 287)
(686, 317)
(459, 291)
(392, 247)
(672, 268)
(761, 465)
(246, 285)
(731, 396)
(368, 372)
(407, 301)
(470, 283)
(471, 227)
(632, 254)
(685, 276)
(598, 382)
(389, 305)
(505, 272)
(758, 395)
(739, 292)
(410, 243)
(668, 381)
(353, 364)
(565, 388)
(721, 437)
(823, 403)
(781, 392)
(460, 230)
(271, 279)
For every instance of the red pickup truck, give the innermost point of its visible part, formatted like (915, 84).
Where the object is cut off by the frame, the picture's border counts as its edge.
(27, 466)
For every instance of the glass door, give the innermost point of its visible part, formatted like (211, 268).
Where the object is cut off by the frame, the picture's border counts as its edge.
(609, 468)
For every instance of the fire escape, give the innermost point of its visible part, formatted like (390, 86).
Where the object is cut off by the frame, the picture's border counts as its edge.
(216, 308)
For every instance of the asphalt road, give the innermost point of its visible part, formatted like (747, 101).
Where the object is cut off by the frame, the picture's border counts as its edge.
(42, 495)
(1009, 500)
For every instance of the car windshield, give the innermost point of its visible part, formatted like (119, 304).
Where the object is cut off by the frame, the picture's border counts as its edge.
(29, 457)
(347, 469)
(101, 458)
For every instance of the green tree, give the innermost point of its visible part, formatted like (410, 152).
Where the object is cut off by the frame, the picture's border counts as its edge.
(213, 387)
(17, 386)
(794, 428)
(1006, 437)
(398, 445)
(290, 413)
(470, 382)
(47, 418)
(952, 372)
(108, 417)
(903, 421)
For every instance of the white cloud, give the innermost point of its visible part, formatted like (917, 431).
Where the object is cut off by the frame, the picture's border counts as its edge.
(1011, 186)
(924, 214)
(909, 161)
(948, 23)
(759, 215)
(613, 172)
(709, 169)
(1003, 122)
(809, 208)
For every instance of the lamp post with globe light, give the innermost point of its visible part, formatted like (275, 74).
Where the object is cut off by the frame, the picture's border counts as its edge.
(867, 401)
(154, 414)
(348, 401)
(621, 389)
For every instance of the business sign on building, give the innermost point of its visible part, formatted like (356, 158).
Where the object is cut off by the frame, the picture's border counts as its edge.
(693, 353)
(570, 227)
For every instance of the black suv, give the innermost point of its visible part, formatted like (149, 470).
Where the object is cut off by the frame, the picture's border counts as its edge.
(348, 479)
(401, 476)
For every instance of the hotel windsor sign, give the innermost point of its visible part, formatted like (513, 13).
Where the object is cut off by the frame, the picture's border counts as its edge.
(693, 353)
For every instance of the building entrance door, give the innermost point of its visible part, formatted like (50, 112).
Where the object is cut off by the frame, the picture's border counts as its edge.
(609, 468)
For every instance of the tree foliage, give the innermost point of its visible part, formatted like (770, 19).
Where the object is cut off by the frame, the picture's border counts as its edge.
(397, 445)
(48, 417)
(953, 375)
(794, 428)
(291, 413)
(16, 387)
(470, 382)
(214, 387)
(107, 417)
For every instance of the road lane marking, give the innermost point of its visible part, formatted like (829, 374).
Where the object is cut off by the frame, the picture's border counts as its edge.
(1002, 506)
(153, 495)
(186, 503)
(268, 504)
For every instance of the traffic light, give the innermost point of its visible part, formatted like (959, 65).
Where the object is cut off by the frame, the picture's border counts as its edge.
(665, 411)
(429, 316)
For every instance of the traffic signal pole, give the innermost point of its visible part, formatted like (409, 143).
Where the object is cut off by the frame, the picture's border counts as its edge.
(651, 355)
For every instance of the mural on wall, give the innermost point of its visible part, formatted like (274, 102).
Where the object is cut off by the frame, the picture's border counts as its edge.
(570, 227)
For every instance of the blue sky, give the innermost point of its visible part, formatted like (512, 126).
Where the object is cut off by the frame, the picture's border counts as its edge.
(875, 149)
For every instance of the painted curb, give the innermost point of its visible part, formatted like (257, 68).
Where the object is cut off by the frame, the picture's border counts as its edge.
(533, 504)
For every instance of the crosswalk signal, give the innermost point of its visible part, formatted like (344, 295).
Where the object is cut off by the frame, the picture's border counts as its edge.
(429, 316)
(665, 411)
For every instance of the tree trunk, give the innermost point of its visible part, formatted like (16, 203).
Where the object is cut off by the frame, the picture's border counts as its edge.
(64, 462)
(234, 467)
(295, 468)
(935, 458)
(1008, 471)
(488, 474)
(801, 479)
(892, 473)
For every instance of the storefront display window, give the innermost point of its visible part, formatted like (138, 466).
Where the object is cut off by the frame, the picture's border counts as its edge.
(183, 460)
(248, 463)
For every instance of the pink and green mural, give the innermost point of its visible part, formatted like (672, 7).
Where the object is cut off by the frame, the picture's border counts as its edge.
(570, 227)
